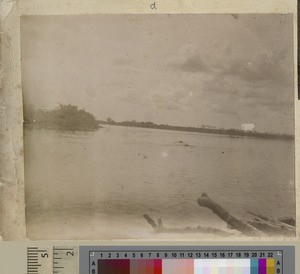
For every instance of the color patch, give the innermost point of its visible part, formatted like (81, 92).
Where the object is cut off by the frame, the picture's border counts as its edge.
(254, 266)
(262, 266)
(222, 266)
(181, 266)
(145, 266)
(270, 266)
(114, 266)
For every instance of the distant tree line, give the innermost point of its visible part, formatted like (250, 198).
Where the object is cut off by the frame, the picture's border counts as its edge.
(69, 117)
(202, 129)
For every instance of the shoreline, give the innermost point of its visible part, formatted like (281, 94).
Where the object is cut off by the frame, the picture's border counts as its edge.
(211, 131)
(225, 132)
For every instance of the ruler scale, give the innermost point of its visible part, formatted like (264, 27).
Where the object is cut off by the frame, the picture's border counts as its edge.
(65, 260)
(39, 260)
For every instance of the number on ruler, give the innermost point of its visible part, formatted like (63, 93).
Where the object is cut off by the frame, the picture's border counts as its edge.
(44, 255)
(70, 253)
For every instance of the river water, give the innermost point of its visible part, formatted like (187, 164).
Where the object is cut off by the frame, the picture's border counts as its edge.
(97, 185)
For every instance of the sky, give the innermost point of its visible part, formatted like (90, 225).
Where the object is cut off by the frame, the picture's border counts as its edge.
(223, 70)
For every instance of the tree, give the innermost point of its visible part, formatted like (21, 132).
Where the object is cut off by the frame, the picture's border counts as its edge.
(66, 117)
(109, 120)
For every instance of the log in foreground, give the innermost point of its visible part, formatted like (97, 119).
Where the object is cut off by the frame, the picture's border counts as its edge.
(232, 221)
(159, 228)
(257, 227)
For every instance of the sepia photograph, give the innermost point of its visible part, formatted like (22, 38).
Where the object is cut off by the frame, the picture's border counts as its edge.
(158, 126)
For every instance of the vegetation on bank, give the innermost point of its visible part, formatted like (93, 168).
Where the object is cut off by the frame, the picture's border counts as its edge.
(202, 129)
(65, 117)
(69, 117)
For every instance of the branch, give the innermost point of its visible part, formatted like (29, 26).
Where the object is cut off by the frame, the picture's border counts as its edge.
(159, 228)
(271, 226)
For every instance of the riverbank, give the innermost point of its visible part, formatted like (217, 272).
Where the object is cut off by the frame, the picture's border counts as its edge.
(228, 132)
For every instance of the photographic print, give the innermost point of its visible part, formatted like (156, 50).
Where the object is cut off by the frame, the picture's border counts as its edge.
(158, 126)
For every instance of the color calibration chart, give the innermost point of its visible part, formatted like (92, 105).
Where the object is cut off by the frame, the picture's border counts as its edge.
(184, 260)
(188, 266)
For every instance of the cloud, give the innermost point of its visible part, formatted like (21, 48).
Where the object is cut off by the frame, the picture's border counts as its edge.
(261, 81)
(232, 82)
(263, 68)
(258, 66)
(169, 97)
(189, 59)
